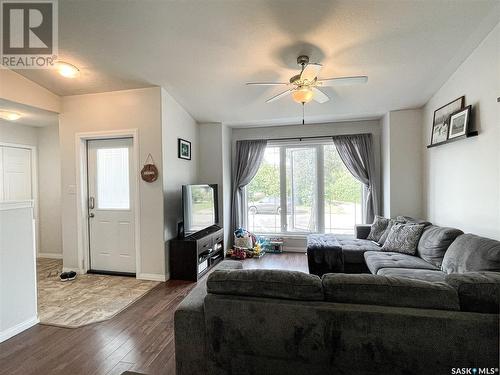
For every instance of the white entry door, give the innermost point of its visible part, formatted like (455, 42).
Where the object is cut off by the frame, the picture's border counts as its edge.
(110, 205)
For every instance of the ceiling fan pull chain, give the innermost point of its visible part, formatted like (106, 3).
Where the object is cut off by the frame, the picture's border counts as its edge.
(303, 106)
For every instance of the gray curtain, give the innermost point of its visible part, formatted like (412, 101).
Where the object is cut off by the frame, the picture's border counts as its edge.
(356, 151)
(249, 155)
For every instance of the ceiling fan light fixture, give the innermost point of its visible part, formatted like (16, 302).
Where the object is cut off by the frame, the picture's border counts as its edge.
(9, 116)
(302, 95)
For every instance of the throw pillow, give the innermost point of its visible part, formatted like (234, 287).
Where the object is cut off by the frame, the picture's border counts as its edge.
(378, 228)
(392, 222)
(403, 238)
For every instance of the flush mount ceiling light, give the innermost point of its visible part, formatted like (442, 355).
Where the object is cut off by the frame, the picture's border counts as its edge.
(67, 70)
(9, 115)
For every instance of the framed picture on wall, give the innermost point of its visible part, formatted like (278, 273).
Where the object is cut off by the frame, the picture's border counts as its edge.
(459, 123)
(184, 149)
(441, 121)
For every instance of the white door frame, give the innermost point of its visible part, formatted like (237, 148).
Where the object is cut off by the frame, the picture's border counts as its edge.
(34, 187)
(82, 193)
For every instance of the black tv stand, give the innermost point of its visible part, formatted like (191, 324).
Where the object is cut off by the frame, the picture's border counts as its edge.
(193, 256)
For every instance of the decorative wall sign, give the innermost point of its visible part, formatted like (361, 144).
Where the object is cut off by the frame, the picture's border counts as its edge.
(184, 149)
(440, 124)
(459, 123)
(149, 172)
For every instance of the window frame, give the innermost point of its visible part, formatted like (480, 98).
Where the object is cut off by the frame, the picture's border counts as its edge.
(320, 187)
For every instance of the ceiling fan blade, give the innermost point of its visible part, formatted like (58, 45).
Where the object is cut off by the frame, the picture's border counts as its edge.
(310, 72)
(320, 96)
(267, 83)
(342, 81)
(276, 97)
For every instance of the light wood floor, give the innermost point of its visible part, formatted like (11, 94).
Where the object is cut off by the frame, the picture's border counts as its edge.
(140, 338)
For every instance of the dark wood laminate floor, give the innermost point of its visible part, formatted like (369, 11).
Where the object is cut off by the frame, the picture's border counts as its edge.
(141, 338)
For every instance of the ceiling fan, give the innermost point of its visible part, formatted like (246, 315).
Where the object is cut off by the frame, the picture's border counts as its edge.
(304, 86)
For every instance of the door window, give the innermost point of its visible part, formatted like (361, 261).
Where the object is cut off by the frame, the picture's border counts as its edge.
(113, 183)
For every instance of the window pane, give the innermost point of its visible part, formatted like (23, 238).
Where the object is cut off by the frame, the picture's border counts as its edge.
(343, 195)
(301, 189)
(113, 191)
(263, 195)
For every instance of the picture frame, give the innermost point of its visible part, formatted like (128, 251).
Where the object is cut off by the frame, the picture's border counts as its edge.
(459, 123)
(441, 120)
(183, 149)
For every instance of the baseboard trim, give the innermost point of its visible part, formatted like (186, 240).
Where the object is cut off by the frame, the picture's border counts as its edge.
(290, 249)
(49, 255)
(18, 328)
(153, 277)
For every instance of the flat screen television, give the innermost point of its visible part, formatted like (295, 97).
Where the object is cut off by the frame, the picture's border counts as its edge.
(200, 208)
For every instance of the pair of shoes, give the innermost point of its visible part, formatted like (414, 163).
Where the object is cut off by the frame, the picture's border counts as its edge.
(67, 276)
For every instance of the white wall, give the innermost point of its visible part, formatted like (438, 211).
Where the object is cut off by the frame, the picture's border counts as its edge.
(176, 123)
(462, 179)
(129, 109)
(12, 132)
(402, 163)
(18, 307)
(49, 192)
(385, 139)
(16, 88)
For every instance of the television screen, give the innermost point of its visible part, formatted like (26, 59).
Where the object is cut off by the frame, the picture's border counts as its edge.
(200, 207)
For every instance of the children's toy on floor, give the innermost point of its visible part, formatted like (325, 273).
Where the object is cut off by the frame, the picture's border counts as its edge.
(246, 245)
(274, 245)
(243, 239)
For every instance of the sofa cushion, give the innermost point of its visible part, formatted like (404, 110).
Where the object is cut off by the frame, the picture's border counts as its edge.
(409, 219)
(376, 260)
(266, 283)
(434, 242)
(471, 253)
(378, 228)
(477, 291)
(384, 236)
(389, 291)
(403, 238)
(426, 275)
(353, 248)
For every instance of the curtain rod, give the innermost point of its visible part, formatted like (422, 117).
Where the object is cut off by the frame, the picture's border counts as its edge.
(316, 137)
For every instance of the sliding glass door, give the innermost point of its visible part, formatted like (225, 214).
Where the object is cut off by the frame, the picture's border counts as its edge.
(301, 189)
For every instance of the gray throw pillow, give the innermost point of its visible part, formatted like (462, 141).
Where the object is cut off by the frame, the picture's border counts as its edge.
(403, 238)
(378, 228)
(392, 222)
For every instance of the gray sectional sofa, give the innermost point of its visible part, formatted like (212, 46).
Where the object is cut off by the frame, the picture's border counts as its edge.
(421, 314)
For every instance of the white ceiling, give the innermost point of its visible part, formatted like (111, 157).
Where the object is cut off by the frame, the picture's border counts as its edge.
(30, 116)
(204, 51)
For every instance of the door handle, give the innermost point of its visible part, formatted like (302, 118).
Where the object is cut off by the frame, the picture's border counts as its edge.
(91, 203)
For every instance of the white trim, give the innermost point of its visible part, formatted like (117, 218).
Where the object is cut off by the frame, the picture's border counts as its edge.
(18, 328)
(81, 192)
(153, 276)
(15, 205)
(50, 255)
(34, 185)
